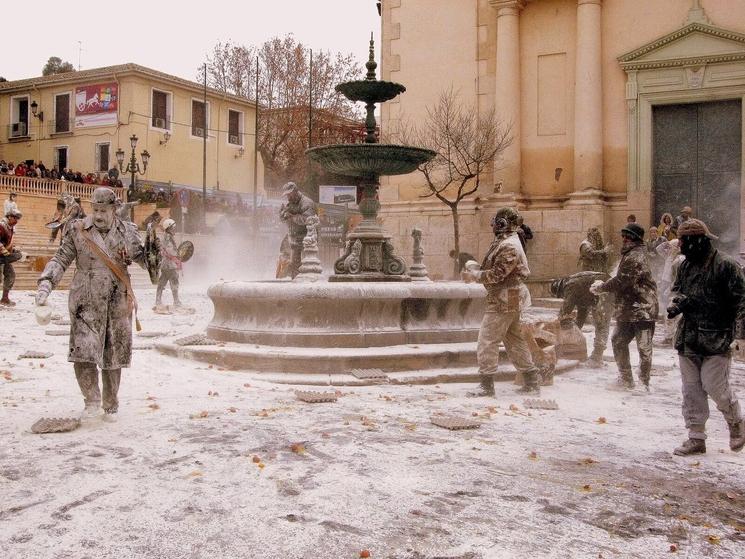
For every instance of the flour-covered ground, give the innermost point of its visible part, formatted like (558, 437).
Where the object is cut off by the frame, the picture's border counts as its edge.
(176, 476)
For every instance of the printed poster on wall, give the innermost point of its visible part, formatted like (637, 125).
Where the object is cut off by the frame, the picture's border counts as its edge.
(96, 105)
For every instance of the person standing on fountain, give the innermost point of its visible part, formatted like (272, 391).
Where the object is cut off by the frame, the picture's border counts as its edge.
(503, 273)
(101, 299)
(294, 213)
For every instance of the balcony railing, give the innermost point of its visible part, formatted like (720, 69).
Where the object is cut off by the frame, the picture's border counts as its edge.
(18, 130)
(61, 127)
(49, 187)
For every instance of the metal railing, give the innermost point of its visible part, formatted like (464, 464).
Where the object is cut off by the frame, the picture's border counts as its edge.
(50, 187)
(61, 127)
(17, 130)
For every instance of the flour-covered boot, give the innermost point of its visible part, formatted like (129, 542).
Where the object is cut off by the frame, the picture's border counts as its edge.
(486, 387)
(737, 436)
(691, 446)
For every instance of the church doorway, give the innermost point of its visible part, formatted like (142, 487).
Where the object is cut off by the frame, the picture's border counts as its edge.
(697, 162)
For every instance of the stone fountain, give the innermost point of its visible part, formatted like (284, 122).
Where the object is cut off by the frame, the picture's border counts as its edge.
(369, 254)
(369, 314)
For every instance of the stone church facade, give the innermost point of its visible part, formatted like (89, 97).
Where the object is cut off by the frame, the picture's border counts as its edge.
(616, 107)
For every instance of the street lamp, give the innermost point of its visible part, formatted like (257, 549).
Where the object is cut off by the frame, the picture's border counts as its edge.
(133, 166)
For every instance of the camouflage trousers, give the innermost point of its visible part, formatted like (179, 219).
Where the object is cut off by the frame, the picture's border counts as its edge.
(87, 375)
(6, 266)
(704, 378)
(601, 315)
(624, 332)
(165, 277)
(503, 327)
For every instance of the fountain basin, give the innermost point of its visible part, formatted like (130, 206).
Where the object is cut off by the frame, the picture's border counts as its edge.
(370, 91)
(369, 160)
(349, 315)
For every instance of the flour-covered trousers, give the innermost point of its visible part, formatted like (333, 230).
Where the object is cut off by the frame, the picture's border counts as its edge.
(8, 273)
(704, 378)
(624, 332)
(87, 376)
(502, 327)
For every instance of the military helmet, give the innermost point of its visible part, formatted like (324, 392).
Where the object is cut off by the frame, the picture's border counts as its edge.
(168, 223)
(510, 215)
(103, 196)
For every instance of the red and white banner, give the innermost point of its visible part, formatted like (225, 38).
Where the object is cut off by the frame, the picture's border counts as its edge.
(96, 105)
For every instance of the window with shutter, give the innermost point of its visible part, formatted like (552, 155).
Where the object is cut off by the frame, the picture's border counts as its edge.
(159, 110)
(62, 113)
(198, 119)
(235, 135)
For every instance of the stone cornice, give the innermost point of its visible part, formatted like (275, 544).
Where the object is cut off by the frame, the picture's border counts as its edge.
(629, 61)
(509, 6)
(580, 2)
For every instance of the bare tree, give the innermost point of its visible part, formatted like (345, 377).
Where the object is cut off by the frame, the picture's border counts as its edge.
(467, 144)
(284, 97)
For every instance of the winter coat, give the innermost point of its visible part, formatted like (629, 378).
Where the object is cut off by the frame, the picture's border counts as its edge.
(100, 312)
(593, 259)
(575, 290)
(634, 287)
(504, 271)
(295, 214)
(714, 305)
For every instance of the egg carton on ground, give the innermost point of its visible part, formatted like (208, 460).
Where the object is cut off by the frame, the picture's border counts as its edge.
(196, 339)
(369, 374)
(537, 404)
(454, 423)
(315, 397)
(55, 425)
(31, 354)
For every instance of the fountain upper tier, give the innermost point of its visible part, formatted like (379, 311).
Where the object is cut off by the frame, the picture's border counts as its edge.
(369, 160)
(370, 91)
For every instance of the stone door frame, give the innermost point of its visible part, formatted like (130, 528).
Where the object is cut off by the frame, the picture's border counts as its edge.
(670, 71)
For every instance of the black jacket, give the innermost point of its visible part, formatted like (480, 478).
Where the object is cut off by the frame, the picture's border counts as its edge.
(713, 305)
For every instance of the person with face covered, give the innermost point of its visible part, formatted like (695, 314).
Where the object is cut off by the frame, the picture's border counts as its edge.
(295, 213)
(101, 299)
(709, 293)
(503, 273)
(636, 306)
(594, 256)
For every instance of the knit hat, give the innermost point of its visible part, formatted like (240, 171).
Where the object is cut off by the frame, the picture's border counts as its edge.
(634, 230)
(695, 227)
(103, 196)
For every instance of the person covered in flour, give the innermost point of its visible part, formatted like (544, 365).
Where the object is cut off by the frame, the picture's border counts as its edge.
(101, 300)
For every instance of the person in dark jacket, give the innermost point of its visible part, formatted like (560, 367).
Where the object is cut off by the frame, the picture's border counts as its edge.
(575, 290)
(709, 292)
(524, 232)
(463, 257)
(636, 306)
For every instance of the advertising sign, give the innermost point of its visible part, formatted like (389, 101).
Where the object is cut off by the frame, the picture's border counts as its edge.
(96, 105)
(339, 195)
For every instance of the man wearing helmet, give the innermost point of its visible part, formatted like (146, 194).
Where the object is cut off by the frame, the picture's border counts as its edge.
(101, 300)
(170, 265)
(295, 213)
(635, 306)
(503, 273)
(709, 293)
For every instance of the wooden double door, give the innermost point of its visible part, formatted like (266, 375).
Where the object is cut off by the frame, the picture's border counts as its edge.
(697, 151)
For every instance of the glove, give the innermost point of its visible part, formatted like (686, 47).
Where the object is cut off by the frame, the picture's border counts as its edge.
(43, 290)
(595, 287)
(469, 276)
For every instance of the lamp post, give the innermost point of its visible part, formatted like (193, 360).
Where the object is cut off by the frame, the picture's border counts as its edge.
(133, 166)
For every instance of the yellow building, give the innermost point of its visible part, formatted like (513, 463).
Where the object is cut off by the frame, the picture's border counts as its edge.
(79, 120)
(616, 107)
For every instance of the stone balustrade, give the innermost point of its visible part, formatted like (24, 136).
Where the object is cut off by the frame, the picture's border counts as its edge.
(50, 187)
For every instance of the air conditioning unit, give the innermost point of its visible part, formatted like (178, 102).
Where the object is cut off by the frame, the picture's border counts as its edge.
(160, 123)
(196, 131)
(233, 139)
(19, 129)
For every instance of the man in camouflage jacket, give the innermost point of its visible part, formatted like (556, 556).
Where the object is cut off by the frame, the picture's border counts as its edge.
(100, 304)
(709, 293)
(594, 256)
(503, 273)
(636, 306)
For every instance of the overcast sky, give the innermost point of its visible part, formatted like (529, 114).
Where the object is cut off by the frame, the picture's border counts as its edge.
(174, 37)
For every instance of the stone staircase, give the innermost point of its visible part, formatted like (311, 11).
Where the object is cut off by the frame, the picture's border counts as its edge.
(35, 243)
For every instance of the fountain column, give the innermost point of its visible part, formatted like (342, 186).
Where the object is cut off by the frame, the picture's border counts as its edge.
(507, 94)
